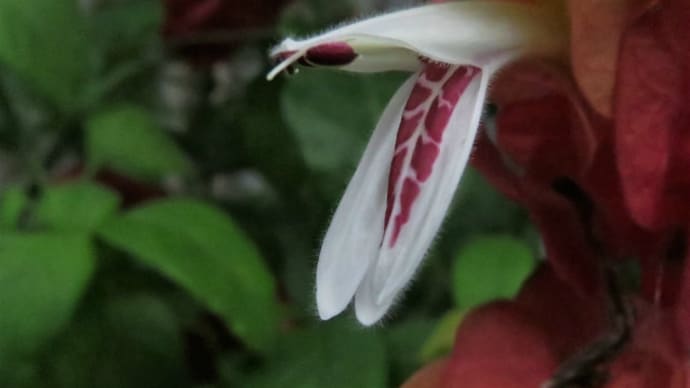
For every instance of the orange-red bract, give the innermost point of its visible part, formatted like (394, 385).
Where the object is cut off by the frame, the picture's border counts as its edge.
(598, 150)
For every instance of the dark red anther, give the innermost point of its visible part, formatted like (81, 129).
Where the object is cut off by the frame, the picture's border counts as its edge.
(331, 54)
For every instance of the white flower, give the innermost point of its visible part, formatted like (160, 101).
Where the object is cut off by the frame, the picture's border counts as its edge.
(398, 197)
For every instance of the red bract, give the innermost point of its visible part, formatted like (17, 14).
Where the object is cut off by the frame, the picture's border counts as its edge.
(599, 153)
(207, 30)
(596, 31)
(652, 123)
(553, 154)
(521, 343)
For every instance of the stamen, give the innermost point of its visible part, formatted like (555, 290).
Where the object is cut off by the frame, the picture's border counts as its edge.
(285, 64)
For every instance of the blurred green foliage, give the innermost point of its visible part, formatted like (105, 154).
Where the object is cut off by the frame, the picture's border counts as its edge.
(490, 267)
(159, 225)
(124, 138)
(45, 41)
(214, 261)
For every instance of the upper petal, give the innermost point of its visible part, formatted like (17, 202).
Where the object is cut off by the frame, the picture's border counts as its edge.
(465, 32)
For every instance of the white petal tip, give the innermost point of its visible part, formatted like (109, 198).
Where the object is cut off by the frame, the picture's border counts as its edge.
(326, 315)
(328, 312)
(330, 304)
(368, 316)
(368, 312)
(368, 321)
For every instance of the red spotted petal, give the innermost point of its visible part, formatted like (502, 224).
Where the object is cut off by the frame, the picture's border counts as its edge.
(434, 140)
(425, 119)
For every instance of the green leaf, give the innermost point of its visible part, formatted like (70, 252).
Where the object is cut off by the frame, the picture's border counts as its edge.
(440, 342)
(45, 41)
(77, 206)
(332, 354)
(128, 340)
(203, 251)
(127, 139)
(42, 277)
(261, 124)
(126, 36)
(12, 202)
(332, 114)
(125, 27)
(489, 268)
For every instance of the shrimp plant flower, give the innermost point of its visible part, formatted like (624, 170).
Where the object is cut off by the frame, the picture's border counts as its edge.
(400, 192)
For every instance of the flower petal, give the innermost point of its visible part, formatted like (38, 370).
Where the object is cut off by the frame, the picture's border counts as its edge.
(466, 32)
(430, 159)
(353, 238)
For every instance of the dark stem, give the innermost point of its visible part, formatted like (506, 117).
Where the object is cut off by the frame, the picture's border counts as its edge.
(588, 367)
